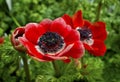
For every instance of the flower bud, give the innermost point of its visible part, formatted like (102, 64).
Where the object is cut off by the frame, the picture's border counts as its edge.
(15, 41)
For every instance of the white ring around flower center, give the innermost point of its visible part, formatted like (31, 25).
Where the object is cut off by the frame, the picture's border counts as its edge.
(89, 41)
(52, 53)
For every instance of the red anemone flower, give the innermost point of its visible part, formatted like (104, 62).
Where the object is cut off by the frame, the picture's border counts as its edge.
(14, 39)
(1, 40)
(52, 40)
(92, 35)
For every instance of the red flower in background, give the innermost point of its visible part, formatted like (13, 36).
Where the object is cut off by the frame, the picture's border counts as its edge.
(52, 40)
(92, 35)
(14, 39)
(1, 40)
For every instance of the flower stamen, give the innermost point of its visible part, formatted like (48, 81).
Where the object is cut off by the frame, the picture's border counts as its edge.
(50, 42)
(86, 35)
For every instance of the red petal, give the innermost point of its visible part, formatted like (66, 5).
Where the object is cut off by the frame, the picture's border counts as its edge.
(30, 47)
(67, 60)
(67, 48)
(41, 60)
(32, 32)
(59, 26)
(17, 33)
(87, 23)
(78, 19)
(97, 49)
(46, 24)
(57, 58)
(68, 19)
(76, 51)
(72, 37)
(99, 31)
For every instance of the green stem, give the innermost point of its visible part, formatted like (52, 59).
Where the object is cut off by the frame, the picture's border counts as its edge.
(26, 67)
(82, 61)
(98, 10)
(56, 68)
(15, 21)
(23, 55)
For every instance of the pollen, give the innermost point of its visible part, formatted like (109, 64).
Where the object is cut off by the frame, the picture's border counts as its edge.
(50, 42)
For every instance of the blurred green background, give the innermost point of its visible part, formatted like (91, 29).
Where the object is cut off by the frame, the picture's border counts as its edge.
(15, 13)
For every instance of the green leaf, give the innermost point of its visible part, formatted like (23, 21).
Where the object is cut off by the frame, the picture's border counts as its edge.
(93, 69)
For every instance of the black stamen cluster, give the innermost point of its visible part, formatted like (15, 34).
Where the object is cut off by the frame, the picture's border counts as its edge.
(50, 42)
(85, 34)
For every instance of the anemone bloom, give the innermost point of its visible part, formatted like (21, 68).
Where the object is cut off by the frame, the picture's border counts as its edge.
(92, 35)
(14, 39)
(52, 40)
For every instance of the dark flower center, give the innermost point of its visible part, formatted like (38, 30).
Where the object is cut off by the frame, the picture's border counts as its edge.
(50, 42)
(85, 34)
